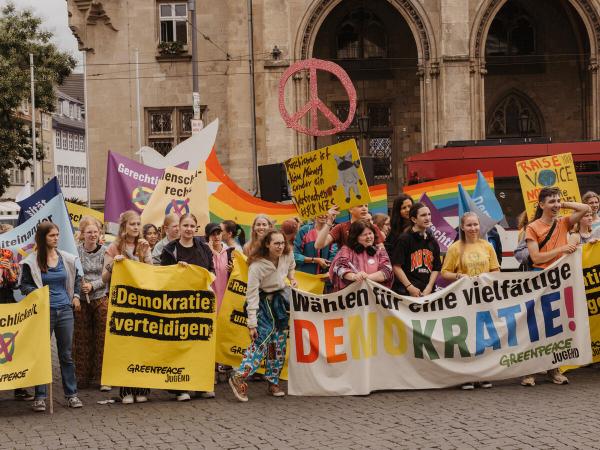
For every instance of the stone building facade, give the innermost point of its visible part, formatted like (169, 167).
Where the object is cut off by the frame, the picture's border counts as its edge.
(425, 71)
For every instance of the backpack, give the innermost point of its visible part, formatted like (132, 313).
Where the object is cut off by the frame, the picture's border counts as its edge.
(522, 251)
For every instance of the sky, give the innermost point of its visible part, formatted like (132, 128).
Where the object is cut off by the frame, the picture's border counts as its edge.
(55, 19)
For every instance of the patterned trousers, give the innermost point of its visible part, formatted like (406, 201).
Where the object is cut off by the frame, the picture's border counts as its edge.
(271, 348)
(88, 340)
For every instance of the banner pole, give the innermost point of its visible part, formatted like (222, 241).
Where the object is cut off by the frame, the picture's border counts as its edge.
(51, 398)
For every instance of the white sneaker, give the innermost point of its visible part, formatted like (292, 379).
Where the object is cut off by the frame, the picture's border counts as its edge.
(183, 397)
(141, 399)
(105, 388)
(127, 400)
(210, 394)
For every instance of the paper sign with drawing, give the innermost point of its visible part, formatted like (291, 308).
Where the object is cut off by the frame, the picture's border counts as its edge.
(328, 176)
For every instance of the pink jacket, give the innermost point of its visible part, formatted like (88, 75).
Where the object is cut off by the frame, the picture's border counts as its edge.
(347, 260)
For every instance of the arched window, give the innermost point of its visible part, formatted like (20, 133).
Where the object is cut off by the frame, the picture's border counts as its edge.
(515, 115)
(361, 35)
(511, 33)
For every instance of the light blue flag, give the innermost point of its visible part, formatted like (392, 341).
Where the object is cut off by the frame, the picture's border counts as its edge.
(21, 239)
(467, 204)
(485, 198)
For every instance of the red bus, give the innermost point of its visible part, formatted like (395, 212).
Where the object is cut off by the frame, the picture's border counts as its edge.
(501, 159)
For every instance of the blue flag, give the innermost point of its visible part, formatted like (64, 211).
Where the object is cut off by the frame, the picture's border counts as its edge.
(21, 239)
(39, 198)
(486, 200)
(467, 204)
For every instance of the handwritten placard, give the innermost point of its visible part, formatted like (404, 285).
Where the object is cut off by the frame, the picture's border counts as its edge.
(329, 176)
(548, 171)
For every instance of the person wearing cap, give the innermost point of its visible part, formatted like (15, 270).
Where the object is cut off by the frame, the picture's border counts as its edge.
(221, 259)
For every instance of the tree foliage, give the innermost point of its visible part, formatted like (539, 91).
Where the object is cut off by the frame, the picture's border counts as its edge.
(21, 34)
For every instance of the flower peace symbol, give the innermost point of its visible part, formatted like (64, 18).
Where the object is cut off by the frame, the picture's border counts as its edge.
(315, 104)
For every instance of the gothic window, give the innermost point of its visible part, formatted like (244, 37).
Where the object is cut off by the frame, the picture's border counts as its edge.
(380, 115)
(342, 110)
(511, 33)
(361, 35)
(514, 116)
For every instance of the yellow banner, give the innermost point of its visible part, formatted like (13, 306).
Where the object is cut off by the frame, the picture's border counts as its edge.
(76, 212)
(179, 191)
(591, 279)
(328, 176)
(25, 342)
(158, 335)
(548, 171)
(232, 331)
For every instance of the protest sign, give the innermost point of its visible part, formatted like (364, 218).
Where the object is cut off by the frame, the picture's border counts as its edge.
(491, 327)
(548, 171)
(39, 198)
(129, 185)
(326, 177)
(158, 335)
(591, 279)
(442, 192)
(76, 212)
(232, 331)
(21, 239)
(25, 341)
(443, 232)
(178, 192)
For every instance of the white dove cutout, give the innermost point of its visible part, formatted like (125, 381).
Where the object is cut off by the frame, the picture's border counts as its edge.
(193, 151)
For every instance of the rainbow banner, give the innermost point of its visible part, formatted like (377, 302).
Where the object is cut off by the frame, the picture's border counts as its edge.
(230, 202)
(444, 192)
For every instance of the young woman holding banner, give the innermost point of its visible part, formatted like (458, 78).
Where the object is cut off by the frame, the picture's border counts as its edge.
(267, 301)
(90, 320)
(128, 244)
(360, 259)
(49, 266)
(416, 256)
(189, 249)
(470, 256)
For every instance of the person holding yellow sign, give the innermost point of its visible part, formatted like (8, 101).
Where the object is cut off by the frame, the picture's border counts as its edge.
(267, 300)
(49, 266)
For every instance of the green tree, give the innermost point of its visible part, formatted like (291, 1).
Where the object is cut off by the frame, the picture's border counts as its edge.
(20, 35)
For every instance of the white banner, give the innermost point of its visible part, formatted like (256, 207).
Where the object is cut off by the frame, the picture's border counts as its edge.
(492, 327)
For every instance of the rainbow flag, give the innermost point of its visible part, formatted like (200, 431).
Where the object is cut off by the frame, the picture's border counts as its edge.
(230, 202)
(444, 192)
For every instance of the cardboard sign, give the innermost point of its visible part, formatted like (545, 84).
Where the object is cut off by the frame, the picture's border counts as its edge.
(326, 177)
(548, 171)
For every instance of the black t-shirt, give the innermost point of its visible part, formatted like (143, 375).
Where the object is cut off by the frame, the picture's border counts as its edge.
(418, 256)
(190, 255)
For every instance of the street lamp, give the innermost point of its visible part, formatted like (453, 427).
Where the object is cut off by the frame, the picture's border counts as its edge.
(363, 124)
(524, 124)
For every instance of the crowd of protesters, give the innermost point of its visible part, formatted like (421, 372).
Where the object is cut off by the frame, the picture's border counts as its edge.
(398, 251)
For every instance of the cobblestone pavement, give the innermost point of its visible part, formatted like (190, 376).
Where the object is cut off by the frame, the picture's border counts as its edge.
(508, 417)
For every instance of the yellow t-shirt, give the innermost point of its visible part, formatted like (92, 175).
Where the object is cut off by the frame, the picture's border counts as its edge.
(477, 258)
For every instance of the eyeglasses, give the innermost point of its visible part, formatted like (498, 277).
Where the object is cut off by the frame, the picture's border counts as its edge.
(278, 244)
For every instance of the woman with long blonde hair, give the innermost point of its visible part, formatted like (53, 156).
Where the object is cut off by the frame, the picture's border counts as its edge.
(128, 244)
(90, 320)
(468, 257)
(261, 224)
(168, 232)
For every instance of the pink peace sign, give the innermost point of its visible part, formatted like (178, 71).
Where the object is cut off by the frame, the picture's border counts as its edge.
(315, 104)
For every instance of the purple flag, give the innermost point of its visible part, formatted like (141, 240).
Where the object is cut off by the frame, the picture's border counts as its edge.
(442, 231)
(129, 185)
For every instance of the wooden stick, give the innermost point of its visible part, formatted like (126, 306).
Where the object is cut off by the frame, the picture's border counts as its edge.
(51, 397)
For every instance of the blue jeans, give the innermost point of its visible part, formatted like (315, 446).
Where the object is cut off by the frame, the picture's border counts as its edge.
(61, 324)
